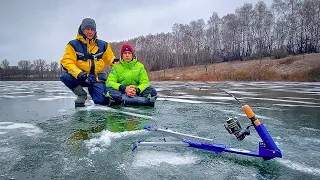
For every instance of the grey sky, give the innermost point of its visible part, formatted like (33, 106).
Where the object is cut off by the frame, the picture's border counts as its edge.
(35, 29)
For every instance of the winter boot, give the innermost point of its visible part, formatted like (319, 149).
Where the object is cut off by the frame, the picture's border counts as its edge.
(138, 101)
(82, 96)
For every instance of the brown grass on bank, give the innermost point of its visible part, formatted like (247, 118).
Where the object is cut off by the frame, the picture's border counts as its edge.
(293, 68)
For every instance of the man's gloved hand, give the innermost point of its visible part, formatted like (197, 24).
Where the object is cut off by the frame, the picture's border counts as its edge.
(83, 77)
(87, 79)
(90, 80)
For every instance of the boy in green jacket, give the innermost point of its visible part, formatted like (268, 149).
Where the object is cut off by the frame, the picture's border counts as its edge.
(128, 82)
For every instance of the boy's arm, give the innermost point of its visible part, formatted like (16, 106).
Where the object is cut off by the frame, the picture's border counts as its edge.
(143, 80)
(112, 81)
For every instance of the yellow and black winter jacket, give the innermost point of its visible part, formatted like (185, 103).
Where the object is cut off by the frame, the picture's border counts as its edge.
(87, 56)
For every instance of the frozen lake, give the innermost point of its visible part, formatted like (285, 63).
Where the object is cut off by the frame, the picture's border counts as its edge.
(42, 135)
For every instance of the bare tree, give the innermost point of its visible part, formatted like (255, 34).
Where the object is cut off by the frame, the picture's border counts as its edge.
(213, 41)
(263, 21)
(5, 64)
(5, 68)
(53, 68)
(40, 67)
(230, 37)
(25, 67)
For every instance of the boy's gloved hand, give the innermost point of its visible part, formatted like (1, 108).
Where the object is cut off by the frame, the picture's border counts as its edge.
(137, 91)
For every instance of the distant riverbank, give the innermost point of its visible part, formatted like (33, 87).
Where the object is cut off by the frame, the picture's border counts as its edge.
(303, 68)
(293, 68)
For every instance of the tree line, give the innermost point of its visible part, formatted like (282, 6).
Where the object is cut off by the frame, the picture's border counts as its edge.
(27, 70)
(253, 31)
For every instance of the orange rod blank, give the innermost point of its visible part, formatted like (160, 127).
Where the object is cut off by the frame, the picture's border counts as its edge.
(246, 109)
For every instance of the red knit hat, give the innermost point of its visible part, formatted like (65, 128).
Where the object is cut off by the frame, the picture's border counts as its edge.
(126, 47)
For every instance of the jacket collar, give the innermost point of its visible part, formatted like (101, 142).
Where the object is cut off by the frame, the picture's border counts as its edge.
(129, 64)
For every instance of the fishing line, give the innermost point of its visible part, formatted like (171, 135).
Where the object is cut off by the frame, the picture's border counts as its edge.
(228, 94)
(162, 104)
(223, 91)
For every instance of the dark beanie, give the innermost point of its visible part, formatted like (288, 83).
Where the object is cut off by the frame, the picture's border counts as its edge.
(88, 23)
(126, 47)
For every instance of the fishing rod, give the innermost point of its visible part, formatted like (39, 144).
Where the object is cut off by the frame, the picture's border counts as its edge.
(232, 125)
(267, 149)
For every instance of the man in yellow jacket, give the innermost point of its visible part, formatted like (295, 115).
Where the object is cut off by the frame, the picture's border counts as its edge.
(84, 61)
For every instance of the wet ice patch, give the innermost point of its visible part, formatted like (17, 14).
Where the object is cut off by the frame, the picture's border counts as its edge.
(5, 150)
(270, 108)
(14, 97)
(244, 93)
(284, 100)
(189, 97)
(136, 115)
(91, 106)
(182, 100)
(29, 129)
(299, 98)
(299, 90)
(76, 164)
(309, 129)
(294, 105)
(218, 97)
(100, 143)
(55, 98)
(300, 167)
(179, 93)
(312, 140)
(155, 158)
(10, 156)
(18, 92)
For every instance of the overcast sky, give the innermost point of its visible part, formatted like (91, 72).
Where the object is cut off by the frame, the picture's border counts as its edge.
(40, 29)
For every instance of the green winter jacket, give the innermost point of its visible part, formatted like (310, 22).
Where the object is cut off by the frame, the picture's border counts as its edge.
(128, 73)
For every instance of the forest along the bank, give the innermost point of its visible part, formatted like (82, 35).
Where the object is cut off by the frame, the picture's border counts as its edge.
(287, 29)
